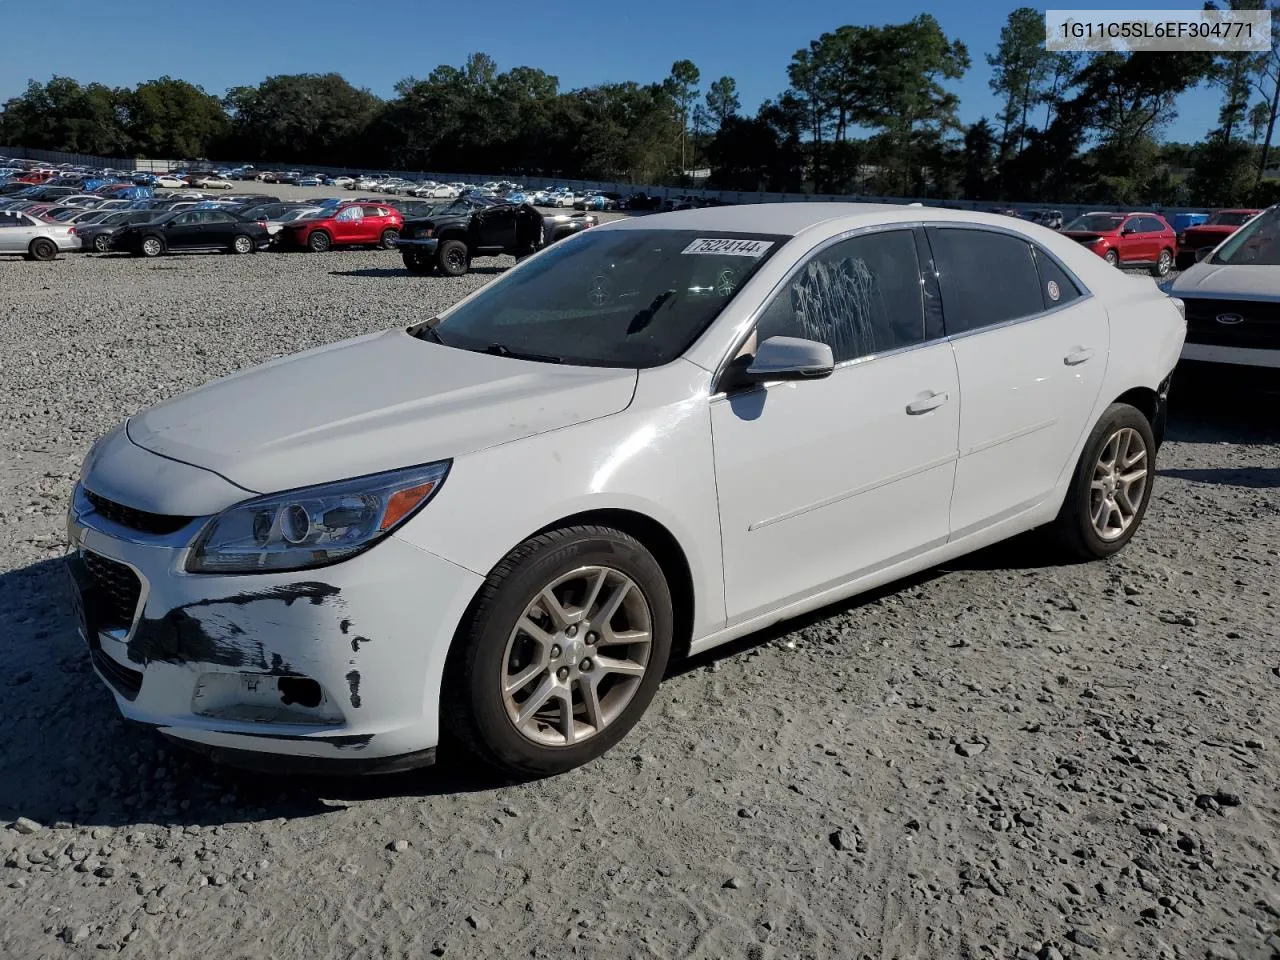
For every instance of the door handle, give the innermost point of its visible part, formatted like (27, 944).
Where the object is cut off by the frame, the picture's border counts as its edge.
(926, 402)
(1077, 356)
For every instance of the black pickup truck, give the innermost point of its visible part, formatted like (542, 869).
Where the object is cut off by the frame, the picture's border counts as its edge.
(474, 226)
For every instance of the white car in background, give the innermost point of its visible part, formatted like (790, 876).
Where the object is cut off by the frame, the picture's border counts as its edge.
(1232, 297)
(499, 525)
(346, 183)
(169, 183)
(212, 182)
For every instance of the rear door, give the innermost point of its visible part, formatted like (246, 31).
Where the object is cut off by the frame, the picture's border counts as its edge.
(1031, 350)
(219, 227)
(184, 231)
(348, 225)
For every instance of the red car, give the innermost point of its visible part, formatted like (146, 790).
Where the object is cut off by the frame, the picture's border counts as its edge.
(1127, 239)
(1220, 225)
(349, 225)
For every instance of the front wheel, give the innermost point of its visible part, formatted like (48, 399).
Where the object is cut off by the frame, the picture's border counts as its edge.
(568, 641)
(1111, 488)
(152, 247)
(452, 259)
(319, 241)
(1112, 258)
(1164, 266)
(242, 244)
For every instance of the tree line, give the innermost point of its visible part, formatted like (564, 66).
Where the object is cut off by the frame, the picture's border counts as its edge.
(867, 111)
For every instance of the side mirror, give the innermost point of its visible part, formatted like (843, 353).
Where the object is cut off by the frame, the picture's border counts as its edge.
(788, 358)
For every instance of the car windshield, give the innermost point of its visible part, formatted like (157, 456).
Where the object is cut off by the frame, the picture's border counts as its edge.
(1095, 222)
(609, 298)
(1228, 218)
(1256, 244)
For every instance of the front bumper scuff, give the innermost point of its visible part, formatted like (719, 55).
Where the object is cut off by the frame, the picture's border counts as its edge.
(204, 656)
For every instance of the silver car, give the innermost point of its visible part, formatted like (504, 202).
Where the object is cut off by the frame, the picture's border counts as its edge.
(35, 239)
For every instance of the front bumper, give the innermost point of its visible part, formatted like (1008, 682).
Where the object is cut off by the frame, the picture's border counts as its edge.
(339, 665)
(1238, 356)
(427, 246)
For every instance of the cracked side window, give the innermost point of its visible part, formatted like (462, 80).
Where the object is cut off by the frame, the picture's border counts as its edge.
(860, 296)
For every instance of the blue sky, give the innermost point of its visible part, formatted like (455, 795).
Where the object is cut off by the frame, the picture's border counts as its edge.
(583, 42)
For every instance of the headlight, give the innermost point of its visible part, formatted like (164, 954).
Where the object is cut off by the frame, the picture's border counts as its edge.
(313, 526)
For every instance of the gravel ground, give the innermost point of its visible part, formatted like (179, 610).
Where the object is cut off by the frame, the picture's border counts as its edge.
(999, 759)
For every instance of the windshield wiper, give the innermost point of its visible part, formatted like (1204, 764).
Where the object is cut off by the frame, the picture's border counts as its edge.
(502, 350)
(427, 331)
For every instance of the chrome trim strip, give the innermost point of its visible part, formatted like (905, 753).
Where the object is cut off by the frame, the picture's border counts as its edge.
(857, 491)
(767, 300)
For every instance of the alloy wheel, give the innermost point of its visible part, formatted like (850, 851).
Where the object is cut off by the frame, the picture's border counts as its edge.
(151, 247)
(1119, 483)
(559, 685)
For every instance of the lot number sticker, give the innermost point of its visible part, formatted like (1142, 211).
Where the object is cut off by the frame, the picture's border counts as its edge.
(1054, 292)
(729, 248)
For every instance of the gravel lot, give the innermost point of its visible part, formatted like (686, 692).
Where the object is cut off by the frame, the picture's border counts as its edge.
(999, 759)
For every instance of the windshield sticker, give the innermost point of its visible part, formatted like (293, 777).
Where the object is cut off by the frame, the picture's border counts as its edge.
(729, 248)
(1054, 292)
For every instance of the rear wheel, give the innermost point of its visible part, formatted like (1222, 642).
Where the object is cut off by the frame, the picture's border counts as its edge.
(101, 243)
(452, 259)
(43, 249)
(242, 244)
(1111, 487)
(568, 641)
(319, 241)
(388, 239)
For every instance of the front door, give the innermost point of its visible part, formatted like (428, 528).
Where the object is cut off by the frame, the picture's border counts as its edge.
(184, 231)
(821, 481)
(1031, 349)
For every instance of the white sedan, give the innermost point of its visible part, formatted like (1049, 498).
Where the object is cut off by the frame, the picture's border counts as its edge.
(1232, 296)
(168, 182)
(497, 527)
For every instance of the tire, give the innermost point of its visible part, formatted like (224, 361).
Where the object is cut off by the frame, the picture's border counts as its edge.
(43, 249)
(388, 239)
(452, 259)
(151, 247)
(319, 241)
(1112, 258)
(243, 243)
(480, 711)
(1075, 532)
(1164, 265)
(415, 262)
(101, 243)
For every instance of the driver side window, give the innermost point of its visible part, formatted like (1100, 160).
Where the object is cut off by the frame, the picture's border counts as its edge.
(861, 296)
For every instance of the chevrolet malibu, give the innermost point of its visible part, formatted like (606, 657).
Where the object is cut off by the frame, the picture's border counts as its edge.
(495, 528)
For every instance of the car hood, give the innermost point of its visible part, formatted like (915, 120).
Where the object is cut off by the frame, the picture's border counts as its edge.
(377, 402)
(1254, 282)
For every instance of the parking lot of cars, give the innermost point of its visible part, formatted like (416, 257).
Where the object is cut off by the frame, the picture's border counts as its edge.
(1005, 752)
